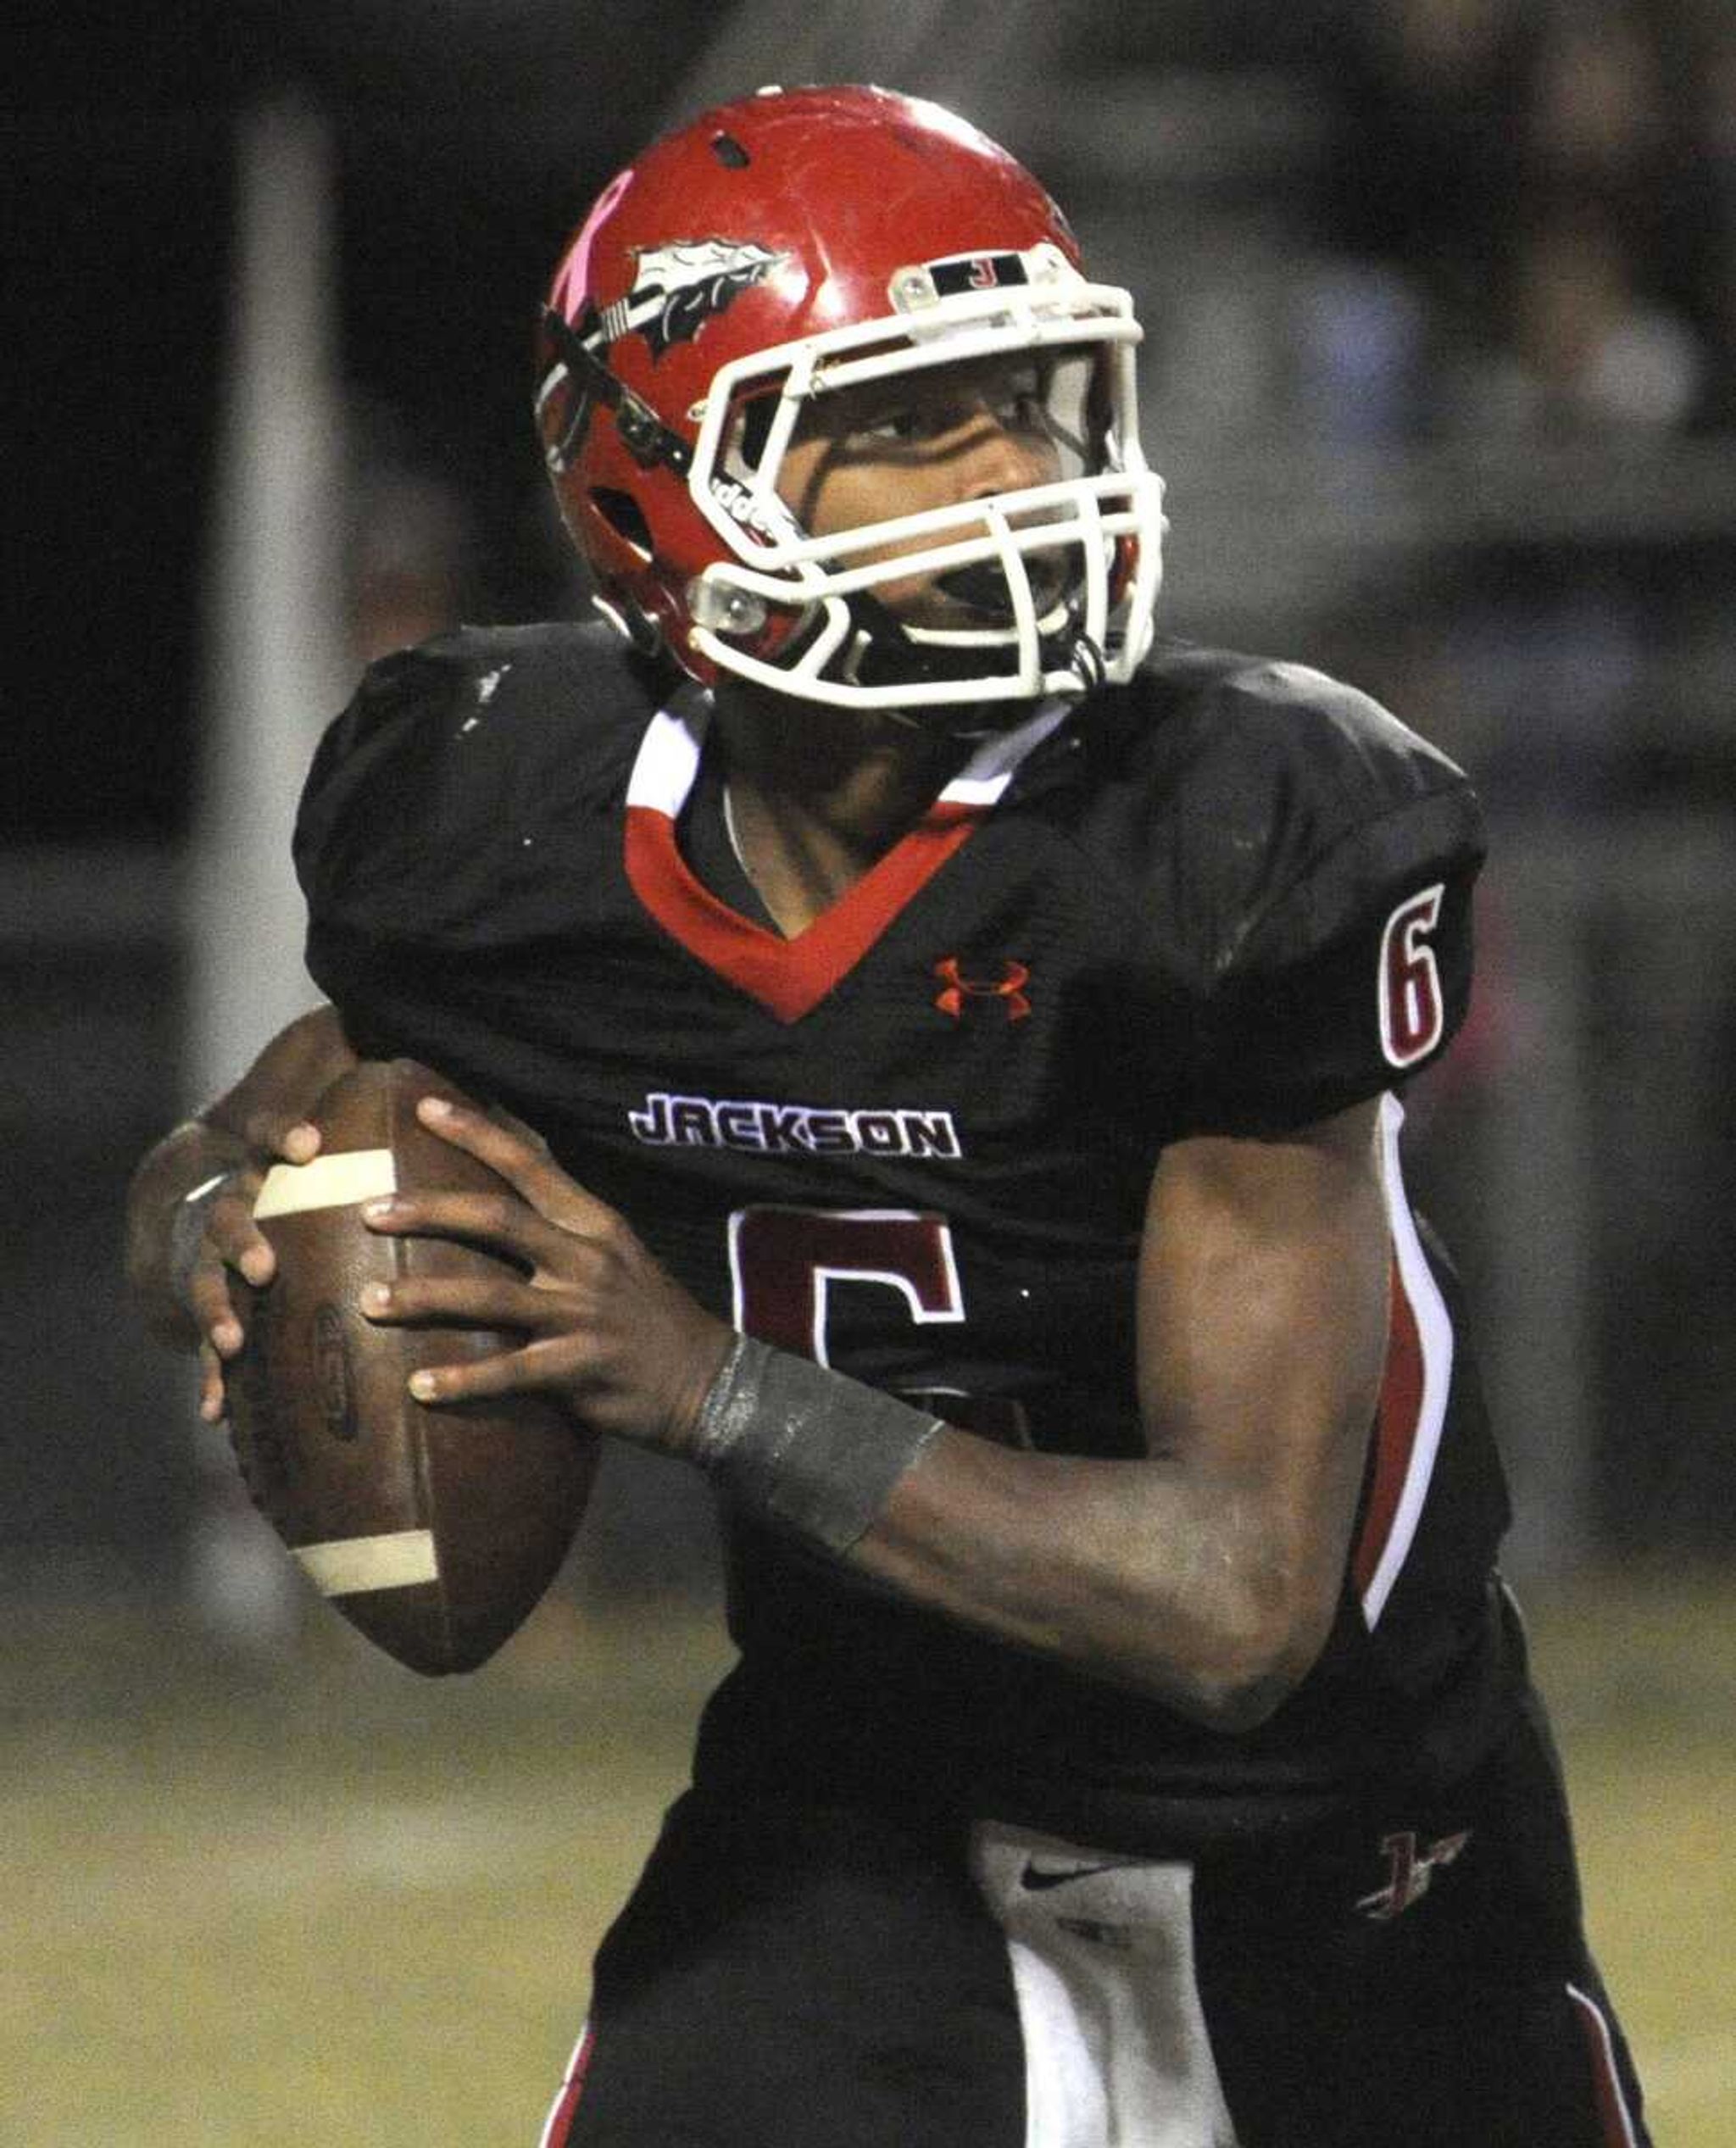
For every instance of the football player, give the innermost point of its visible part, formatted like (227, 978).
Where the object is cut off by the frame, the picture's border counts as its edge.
(963, 1035)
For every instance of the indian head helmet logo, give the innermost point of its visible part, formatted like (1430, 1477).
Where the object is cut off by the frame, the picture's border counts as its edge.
(1007, 990)
(680, 285)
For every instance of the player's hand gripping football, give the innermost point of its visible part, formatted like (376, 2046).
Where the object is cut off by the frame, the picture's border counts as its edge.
(192, 1243)
(607, 1332)
(222, 1241)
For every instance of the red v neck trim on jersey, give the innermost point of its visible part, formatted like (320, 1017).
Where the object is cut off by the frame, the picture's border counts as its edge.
(787, 976)
(790, 977)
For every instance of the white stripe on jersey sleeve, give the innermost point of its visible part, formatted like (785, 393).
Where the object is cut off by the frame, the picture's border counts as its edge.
(1434, 1330)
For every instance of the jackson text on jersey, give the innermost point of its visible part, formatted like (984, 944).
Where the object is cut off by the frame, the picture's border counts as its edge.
(669, 1120)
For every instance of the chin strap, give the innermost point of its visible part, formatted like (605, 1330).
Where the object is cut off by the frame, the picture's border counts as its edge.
(1085, 660)
(881, 653)
(645, 437)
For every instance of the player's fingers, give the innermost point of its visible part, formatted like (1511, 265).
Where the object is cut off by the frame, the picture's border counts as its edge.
(281, 1133)
(458, 1301)
(214, 1403)
(236, 1238)
(521, 1157)
(499, 1223)
(500, 1117)
(521, 1371)
(213, 1311)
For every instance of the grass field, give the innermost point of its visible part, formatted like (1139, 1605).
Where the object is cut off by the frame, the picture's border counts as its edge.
(324, 1901)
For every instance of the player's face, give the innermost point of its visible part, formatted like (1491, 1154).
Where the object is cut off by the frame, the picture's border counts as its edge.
(903, 446)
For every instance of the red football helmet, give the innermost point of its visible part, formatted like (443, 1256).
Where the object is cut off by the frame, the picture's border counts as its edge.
(788, 246)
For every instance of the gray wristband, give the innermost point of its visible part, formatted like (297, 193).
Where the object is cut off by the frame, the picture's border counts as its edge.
(803, 1446)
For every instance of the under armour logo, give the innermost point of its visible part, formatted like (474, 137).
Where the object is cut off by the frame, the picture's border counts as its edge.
(1410, 1871)
(1009, 989)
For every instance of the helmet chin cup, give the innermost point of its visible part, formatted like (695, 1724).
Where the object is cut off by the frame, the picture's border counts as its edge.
(886, 653)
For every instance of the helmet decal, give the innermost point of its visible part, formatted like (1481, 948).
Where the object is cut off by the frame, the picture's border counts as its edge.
(682, 285)
(570, 285)
(924, 283)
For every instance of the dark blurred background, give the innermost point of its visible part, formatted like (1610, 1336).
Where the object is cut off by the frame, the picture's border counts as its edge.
(1440, 299)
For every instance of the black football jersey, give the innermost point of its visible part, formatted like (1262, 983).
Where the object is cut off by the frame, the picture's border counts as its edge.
(915, 1142)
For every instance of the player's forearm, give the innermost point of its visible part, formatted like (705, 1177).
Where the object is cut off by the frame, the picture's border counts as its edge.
(1213, 1590)
(1131, 1570)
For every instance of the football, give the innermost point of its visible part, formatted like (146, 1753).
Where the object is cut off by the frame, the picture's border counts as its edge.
(434, 1531)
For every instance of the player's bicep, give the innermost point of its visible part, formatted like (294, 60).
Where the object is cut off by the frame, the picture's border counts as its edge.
(1262, 1325)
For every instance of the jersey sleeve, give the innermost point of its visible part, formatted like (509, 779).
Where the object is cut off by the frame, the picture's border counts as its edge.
(1337, 951)
(423, 843)
(385, 849)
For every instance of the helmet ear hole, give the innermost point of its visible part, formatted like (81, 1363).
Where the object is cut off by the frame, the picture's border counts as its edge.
(625, 516)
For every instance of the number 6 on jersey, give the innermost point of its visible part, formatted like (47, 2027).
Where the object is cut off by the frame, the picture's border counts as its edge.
(1412, 1017)
(782, 1259)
